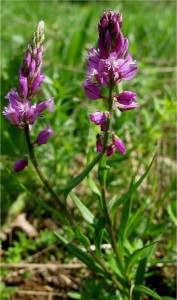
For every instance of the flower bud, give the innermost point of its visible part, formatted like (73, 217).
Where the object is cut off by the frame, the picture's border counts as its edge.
(119, 144)
(20, 164)
(32, 67)
(36, 83)
(125, 101)
(110, 150)
(92, 91)
(23, 87)
(44, 135)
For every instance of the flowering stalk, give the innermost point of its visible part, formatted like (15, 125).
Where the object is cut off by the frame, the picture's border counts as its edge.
(106, 68)
(22, 113)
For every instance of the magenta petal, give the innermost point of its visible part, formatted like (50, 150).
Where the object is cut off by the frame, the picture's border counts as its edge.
(98, 118)
(44, 135)
(119, 145)
(23, 87)
(32, 67)
(126, 97)
(20, 165)
(129, 106)
(92, 91)
(36, 83)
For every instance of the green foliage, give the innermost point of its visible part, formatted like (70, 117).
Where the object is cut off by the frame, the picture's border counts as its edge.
(6, 292)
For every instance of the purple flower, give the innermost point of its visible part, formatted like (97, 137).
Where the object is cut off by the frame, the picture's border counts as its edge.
(99, 118)
(20, 165)
(130, 68)
(48, 104)
(44, 135)
(125, 101)
(119, 144)
(92, 90)
(22, 113)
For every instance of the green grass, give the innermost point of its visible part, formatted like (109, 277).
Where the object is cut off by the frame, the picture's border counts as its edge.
(71, 29)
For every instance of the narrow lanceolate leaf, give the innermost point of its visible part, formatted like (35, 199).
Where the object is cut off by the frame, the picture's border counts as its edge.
(140, 276)
(145, 290)
(82, 238)
(91, 182)
(124, 221)
(103, 170)
(132, 189)
(81, 255)
(132, 259)
(84, 211)
(82, 175)
(98, 235)
(167, 298)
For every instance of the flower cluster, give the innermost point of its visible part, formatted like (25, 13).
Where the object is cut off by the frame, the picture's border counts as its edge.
(20, 111)
(106, 67)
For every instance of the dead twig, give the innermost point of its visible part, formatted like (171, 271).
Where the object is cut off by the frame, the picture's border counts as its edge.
(42, 266)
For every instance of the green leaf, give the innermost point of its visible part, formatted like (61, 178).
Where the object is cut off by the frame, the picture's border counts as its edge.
(74, 295)
(84, 211)
(140, 276)
(136, 255)
(124, 222)
(171, 208)
(81, 255)
(147, 291)
(103, 170)
(82, 238)
(91, 182)
(132, 189)
(82, 175)
(98, 235)
(134, 219)
(167, 298)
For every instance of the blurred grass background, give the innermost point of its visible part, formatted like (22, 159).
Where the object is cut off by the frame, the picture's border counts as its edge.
(70, 30)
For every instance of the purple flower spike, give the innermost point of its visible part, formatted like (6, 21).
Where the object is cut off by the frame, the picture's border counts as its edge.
(92, 91)
(20, 165)
(44, 135)
(119, 144)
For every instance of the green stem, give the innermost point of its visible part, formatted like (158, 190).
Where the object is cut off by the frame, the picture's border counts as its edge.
(106, 269)
(108, 121)
(42, 176)
(103, 189)
(111, 230)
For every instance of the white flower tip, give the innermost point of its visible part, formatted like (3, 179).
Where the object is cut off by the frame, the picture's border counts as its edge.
(41, 26)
